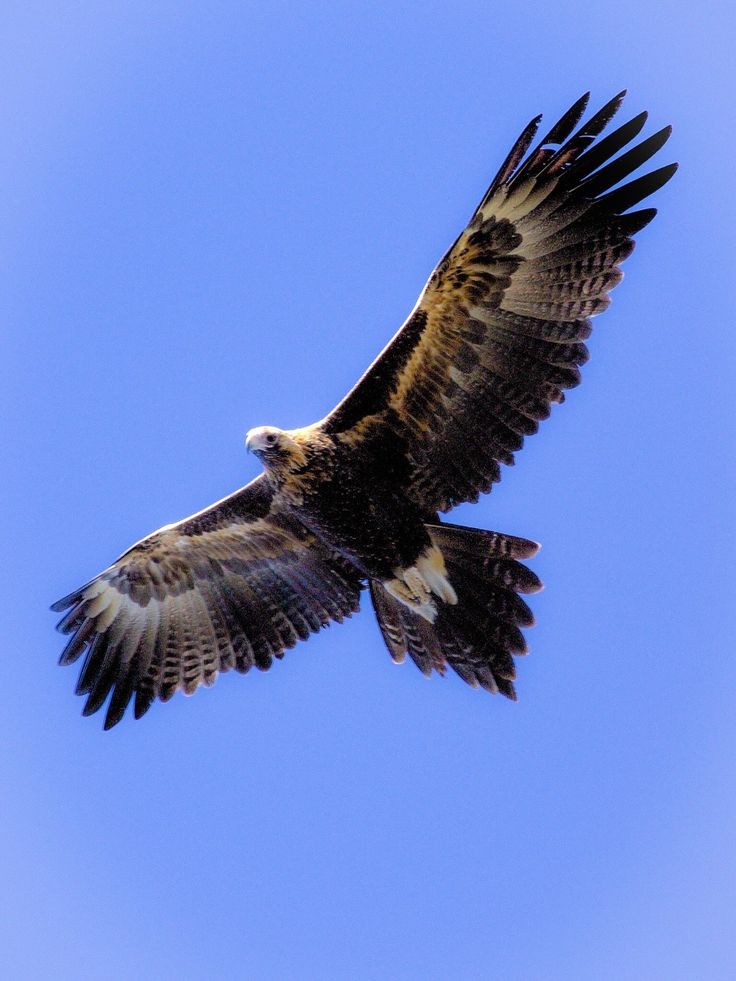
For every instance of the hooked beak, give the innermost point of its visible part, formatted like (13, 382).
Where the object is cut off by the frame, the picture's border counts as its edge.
(256, 440)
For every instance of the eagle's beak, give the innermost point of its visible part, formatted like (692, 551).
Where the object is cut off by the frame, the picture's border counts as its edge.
(248, 444)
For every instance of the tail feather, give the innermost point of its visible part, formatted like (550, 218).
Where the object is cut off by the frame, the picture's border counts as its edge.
(478, 636)
(479, 543)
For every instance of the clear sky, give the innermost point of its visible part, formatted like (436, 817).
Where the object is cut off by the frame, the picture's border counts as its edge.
(213, 217)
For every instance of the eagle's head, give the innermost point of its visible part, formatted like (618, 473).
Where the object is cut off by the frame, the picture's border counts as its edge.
(275, 448)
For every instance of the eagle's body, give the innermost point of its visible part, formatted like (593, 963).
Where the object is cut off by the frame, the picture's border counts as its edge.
(356, 504)
(354, 500)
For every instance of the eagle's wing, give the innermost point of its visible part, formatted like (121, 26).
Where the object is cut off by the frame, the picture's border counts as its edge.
(498, 331)
(230, 587)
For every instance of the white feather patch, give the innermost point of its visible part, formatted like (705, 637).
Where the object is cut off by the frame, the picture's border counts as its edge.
(415, 585)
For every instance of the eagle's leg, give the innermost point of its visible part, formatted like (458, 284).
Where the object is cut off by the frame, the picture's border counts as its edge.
(414, 585)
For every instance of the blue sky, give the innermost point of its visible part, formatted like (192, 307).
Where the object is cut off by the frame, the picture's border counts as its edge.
(214, 215)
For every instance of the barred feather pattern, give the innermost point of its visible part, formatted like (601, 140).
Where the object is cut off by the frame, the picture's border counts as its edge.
(479, 636)
(230, 588)
(499, 332)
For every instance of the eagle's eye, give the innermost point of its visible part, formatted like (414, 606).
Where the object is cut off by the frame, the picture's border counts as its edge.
(271, 439)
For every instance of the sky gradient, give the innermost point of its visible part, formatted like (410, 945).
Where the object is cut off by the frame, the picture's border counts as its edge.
(214, 216)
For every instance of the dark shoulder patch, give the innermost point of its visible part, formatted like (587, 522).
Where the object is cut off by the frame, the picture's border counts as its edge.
(370, 395)
(248, 504)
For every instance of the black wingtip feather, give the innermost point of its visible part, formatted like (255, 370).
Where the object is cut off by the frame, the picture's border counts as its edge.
(92, 665)
(70, 621)
(63, 604)
(615, 171)
(143, 701)
(71, 598)
(565, 125)
(603, 150)
(77, 644)
(121, 696)
(635, 191)
(599, 120)
(104, 680)
(111, 720)
(542, 155)
(514, 157)
(633, 222)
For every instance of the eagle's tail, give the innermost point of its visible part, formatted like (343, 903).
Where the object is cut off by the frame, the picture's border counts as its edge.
(478, 634)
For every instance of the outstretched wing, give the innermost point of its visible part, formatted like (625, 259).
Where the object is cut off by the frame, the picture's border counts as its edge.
(498, 331)
(231, 587)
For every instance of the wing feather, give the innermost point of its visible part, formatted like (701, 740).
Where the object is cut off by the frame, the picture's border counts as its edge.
(497, 334)
(230, 588)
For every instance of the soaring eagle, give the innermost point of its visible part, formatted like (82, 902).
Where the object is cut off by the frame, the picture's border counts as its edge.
(353, 501)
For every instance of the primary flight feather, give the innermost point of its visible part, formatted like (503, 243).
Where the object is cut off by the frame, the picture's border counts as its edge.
(495, 338)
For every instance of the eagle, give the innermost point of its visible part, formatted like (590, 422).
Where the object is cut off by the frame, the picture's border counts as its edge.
(353, 502)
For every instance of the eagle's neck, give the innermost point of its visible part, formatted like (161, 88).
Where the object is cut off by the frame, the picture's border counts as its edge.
(308, 458)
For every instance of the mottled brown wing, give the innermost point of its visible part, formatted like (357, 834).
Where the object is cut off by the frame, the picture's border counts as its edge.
(498, 332)
(229, 588)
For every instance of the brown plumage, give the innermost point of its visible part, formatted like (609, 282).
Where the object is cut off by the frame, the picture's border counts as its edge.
(496, 337)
